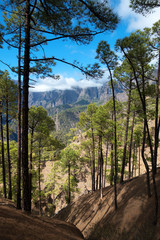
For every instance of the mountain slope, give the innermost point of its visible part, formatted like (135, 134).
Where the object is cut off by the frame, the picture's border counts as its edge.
(66, 105)
(56, 98)
(15, 225)
(98, 220)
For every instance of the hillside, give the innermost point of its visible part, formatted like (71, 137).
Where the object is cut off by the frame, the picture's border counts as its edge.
(15, 225)
(98, 220)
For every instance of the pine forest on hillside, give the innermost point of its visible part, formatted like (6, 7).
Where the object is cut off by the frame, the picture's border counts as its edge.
(52, 154)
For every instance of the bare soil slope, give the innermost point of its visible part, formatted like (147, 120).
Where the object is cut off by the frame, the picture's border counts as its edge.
(15, 225)
(97, 218)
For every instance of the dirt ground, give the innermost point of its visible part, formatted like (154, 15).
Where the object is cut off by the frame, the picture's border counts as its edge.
(15, 225)
(96, 218)
(133, 220)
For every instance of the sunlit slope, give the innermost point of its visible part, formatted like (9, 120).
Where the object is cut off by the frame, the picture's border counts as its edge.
(97, 218)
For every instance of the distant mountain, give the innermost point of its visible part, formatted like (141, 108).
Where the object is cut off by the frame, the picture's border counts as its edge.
(80, 96)
(65, 105)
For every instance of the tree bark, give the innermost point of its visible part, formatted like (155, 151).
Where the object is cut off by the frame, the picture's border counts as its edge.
(139, 160)
(3, 159)
(69, 183)
(145, 161)
(130, 147)
(133, 162)
(99, 162)
(26, 192)
(112, 165)
(136, 152)
(39, 181)
(126, 134)
(101, 166)
(105, 169)
(156, 138)
(19, 126)
(93, 161)
(30, 165)
(8, 153)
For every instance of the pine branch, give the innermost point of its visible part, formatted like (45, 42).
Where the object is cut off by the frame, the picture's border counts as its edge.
(63, 61)
(9, 67)
(74, 36)
(9, 43)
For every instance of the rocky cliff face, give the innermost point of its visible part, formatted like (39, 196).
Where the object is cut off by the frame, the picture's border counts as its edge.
(64, 97)
(65, 106)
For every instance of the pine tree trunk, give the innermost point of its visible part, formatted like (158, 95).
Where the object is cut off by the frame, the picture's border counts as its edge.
(133, 161)
(3, 159)
(39, 182)
(156, 138)
(69, 183)
(19, 126)
(101, 166)
(93, 162)
(139, 160)
(115, 140)
(30, 165)
(130, 147)
(105, 169)
(126, 134)
(8, 153)
(99, 162)
(145, 161)
(112, 165)
(136, 150)
(97, 176)
(26, 192)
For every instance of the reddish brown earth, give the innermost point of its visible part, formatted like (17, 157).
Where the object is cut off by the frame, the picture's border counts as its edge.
(15, 225)
(96, 218)
(133, 220)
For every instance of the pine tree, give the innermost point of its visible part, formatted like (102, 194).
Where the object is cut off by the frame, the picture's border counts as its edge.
(86, 123)
(108, 57)
(9, 99)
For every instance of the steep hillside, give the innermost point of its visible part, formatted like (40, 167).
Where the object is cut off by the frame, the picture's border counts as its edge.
(15, 225)
(97, 218)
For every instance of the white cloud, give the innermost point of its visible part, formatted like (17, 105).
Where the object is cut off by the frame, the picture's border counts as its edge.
(49, 84)
(136, 21)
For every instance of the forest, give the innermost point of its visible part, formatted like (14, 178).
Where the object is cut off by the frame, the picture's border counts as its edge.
(111, 143)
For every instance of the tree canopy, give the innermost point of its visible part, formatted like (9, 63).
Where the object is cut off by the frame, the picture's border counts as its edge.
(144, 6)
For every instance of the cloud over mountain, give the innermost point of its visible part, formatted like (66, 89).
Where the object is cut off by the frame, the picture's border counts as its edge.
(49, 84)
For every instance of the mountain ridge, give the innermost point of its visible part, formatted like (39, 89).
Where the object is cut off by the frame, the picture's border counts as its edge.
(57, 97)
(65, 106)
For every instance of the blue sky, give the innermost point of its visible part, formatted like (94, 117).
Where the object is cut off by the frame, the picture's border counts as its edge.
(85, 54)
